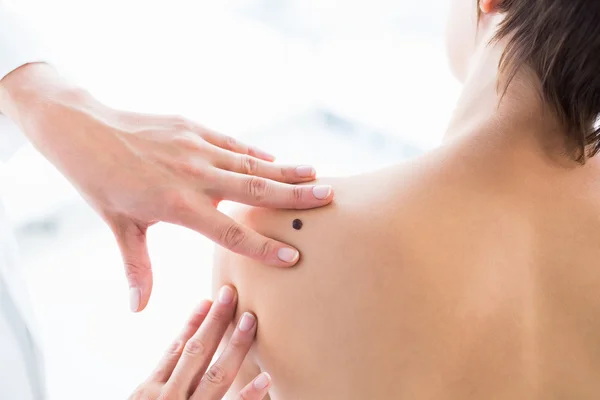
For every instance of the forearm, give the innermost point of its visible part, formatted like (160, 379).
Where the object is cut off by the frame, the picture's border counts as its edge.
(35, 91)
(62, 121)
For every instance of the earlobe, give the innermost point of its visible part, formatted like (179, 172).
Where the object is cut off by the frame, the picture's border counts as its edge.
(487, 6)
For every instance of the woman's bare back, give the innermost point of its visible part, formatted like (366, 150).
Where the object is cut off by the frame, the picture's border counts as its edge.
(446, 277)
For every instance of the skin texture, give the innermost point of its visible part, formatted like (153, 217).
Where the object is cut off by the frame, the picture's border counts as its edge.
(184, 373)
(460, 35)
(467, 273)
(464, 280)
(136, 170)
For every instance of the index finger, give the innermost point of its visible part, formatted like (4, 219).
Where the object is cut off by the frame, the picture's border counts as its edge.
(238, 238)
(200, 348)
(166, 366)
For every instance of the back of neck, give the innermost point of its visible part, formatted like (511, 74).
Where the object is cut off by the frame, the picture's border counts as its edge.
(511, 124)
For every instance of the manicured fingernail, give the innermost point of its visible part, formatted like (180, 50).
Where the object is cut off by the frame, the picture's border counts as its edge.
(286, 254)
(322, 192)
(134, 298)
(247, 322)
(226, 295)
(305, 171)
(262, 381)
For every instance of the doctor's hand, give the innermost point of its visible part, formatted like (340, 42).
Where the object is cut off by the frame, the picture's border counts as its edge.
(184, 372)
(136, 170)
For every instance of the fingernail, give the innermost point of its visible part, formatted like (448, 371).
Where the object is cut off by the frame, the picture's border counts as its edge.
(286, 254)
(322, 192)
(134, 298)
(262, 381)
(226, 295)
(247, 322)
(305, 171)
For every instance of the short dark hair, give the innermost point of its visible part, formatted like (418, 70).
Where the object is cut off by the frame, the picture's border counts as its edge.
(560, 41)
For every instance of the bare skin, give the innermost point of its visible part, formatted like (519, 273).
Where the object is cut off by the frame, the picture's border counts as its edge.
(447, 287)
(468, 273)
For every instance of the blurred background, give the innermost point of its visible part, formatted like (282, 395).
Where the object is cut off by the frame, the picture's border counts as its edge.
(348, 86)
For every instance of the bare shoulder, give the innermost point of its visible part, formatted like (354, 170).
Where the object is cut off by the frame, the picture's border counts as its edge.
(295, 305)
(372, 218)
(362, 207)
(356, 280)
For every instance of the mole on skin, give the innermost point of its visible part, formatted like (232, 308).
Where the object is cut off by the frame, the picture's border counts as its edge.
(297, 224)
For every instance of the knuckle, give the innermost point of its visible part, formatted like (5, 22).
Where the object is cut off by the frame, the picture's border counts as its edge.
(257, 187)
(183, 124)
(175, 201)
(216, 375)
(175, 349)
(298, 193)
(249, 165)
(189, 164)
(252, 152)
(194, 347)
(265, 249)
(285, 172)
(230, 143)
(134, 269)
(233, 236)
(191, 167)
(187, 141)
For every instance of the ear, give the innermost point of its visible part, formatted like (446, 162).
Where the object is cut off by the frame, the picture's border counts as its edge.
(488, 6)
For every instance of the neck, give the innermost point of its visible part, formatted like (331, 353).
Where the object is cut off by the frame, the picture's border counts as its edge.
(515, 121)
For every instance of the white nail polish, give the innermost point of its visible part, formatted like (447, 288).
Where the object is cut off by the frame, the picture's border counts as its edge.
(288, 255)
(247, 322)
(305, 171)
(226, 295)
(262, 381)
(321, 192)
(134, 298)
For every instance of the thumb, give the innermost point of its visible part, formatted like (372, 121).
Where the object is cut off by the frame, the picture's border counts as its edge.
(131, 238)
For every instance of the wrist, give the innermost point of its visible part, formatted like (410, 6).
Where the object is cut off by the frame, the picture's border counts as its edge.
(33, 89)
(35, 95)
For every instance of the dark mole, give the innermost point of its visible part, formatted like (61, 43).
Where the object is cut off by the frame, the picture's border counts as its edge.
(297, 224)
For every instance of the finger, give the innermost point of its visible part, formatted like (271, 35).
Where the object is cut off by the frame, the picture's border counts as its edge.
(200, 348)
(257, 389)
(166, 366)
(261, 192)
(131, 239)
(249, 165)
(219, 377)
(224, 231)
(231, 144)
(233, 236)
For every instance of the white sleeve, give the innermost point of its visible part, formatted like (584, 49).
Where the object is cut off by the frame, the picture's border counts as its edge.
(17, 47)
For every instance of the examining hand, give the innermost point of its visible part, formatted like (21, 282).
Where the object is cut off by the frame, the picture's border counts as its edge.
(136, 170)
(184, 374)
